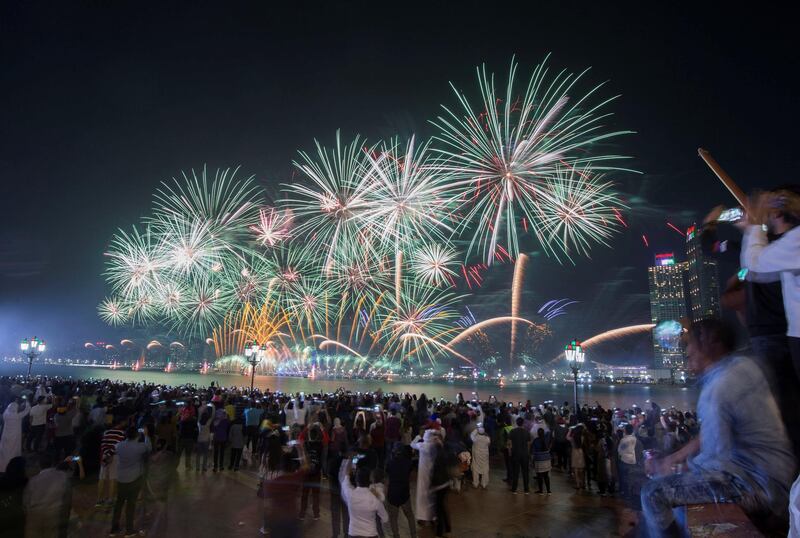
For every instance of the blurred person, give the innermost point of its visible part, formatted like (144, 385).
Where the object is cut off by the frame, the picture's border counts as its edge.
(48, 500)
(161, 475)
(203, 441)
(440, 484)
(542, 461)
(64, 442)
(12, 487)
(576, 437)
(236, 441)
(630, 453)
(109, 464)
(132, 454)
(220, 429)
(758, 299)
(742, 454)
(480, 457)
(362, 505)
(11, 440)
(398, 470)
(340, 519)
(188, 432)
(520, 439)
(780, 211)
(280, 496)
(312, 448)
(38, 418)
(427, 448)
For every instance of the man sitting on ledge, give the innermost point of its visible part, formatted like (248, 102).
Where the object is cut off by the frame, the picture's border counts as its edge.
(742, 454)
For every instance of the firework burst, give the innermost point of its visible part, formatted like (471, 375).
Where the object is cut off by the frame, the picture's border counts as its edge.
(500, 156)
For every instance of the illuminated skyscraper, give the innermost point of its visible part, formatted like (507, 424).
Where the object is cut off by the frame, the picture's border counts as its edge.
(703, 277)
(667, 303)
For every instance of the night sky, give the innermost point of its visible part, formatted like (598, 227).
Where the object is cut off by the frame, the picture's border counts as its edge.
(101, 101)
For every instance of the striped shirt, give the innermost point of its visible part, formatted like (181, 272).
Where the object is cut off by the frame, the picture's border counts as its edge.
(108, 446)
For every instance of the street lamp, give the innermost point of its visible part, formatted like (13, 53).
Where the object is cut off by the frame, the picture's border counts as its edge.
(575, 356)
(31, 349)
(254, 354)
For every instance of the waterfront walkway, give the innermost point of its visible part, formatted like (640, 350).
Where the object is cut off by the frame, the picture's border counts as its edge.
(225, 504)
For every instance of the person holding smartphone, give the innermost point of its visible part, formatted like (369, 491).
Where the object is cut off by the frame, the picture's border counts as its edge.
(132, 454)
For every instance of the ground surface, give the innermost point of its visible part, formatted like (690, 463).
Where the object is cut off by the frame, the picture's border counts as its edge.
(225, 504)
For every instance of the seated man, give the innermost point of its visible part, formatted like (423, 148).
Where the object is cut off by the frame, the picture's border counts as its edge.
(742, 454)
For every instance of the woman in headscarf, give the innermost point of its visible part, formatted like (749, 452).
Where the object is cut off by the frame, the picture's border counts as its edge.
(11, 442)
(427, 448)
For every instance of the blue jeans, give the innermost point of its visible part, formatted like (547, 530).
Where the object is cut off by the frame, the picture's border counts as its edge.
(661, 496)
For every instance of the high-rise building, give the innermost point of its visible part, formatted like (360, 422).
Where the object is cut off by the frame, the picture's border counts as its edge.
(667, 303)
(703, 277)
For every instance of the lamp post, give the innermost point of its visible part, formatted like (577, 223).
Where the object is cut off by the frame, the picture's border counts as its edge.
(31, 349)
(254, 354)
(575, 356)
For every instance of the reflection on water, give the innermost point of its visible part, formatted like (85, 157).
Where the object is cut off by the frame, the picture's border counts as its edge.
(607, 395)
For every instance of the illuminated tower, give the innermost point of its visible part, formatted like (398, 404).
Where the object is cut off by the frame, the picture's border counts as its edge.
(667, 303)
(703, 277)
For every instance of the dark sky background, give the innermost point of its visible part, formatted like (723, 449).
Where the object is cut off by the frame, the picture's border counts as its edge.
(101, 101)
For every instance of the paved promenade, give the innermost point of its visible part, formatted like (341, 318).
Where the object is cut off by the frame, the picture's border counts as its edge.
(225, 504)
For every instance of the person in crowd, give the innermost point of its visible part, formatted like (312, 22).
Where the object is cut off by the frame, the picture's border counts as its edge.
(393, 430)
(165, 430)
(11, 440)
(203, 440)
(12, 487)
(520, 439)
(236, 441)
(220, 429)
(280, 495)
(340, 519)
(188, 432)
(252, 420)
(780, 211)
(542, 460)
(377, 436)
(398, 470)
(757, 298)
(505, 441)
(480, 457)
(47, 499)
(742, 454)
(64, 442)
(440, 484)
(132, 454)
(109, 463)
(576, 438)
(630, 452)
(427, 446)
(313, 479)
(38, 418)
(161, 477)
(362, 505)
(97, 416)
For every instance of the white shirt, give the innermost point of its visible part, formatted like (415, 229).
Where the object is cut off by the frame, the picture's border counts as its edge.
(782, 255)
(39, 414)
(362, 505)
(98, 415)
(627, 449)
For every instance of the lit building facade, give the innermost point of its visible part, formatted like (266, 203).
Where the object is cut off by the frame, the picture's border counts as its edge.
(703, 278)
(667, 303)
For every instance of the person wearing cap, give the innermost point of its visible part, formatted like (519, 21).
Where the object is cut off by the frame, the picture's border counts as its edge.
(480, 457)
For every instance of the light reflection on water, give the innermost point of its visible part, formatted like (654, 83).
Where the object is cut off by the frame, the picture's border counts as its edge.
(607, 395)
